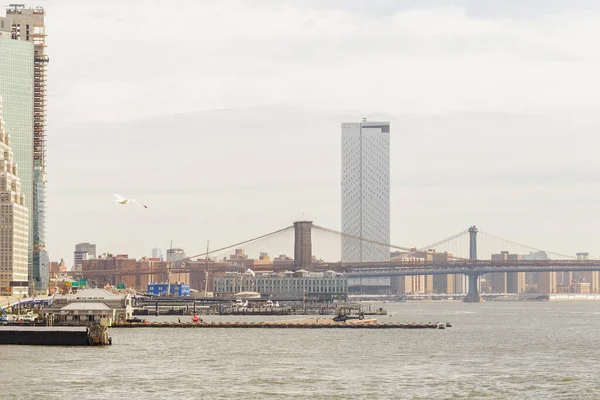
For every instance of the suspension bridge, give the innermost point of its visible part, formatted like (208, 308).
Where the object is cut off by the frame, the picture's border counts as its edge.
(471, 253)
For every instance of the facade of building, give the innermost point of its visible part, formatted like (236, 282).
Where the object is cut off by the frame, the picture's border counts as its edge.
(365, 191)
(175, 254)
(507, 282)
(16, 90)
(427, 284)
(5, 28)
(14, 228)
(28, 25)
(83, 251)
(175, 289)
(135, 274)
(323, 286)
(546, 282)
(88, 306)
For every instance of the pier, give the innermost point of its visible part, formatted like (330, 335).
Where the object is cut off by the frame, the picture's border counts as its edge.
(309, 323)
(95, 335)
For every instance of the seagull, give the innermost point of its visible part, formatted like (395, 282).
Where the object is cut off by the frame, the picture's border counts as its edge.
(122, 200)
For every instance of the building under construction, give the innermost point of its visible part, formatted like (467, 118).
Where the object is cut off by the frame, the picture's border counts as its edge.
(28, 24)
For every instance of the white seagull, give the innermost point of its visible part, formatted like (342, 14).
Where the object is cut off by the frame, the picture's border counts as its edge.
(122, 200)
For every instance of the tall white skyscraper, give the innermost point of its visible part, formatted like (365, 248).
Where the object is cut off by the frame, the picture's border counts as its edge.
(365, 190)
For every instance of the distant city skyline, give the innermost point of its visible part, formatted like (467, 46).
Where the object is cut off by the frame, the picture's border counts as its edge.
(496, 104)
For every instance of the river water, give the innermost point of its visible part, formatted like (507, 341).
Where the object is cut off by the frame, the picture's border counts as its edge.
(495, 350)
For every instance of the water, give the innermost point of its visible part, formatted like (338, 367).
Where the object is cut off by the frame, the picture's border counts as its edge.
(496, 350)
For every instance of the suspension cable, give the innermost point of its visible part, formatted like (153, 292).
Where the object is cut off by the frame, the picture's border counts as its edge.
(206, 254)
(525, 246)
(363, 239)
(431, 246)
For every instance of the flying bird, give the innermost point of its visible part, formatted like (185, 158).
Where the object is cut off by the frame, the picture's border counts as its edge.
(122, 200)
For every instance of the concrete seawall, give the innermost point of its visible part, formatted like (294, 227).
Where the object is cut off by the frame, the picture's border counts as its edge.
(54, 335)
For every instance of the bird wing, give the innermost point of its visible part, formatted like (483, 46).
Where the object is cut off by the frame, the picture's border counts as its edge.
(119, 198)
(138, 203)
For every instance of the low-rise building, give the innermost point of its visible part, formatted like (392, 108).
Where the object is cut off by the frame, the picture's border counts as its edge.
(162, 289)
(88, 306)
(318, 286)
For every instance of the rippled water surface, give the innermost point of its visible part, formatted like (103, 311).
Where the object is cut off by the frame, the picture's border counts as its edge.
(495, 350)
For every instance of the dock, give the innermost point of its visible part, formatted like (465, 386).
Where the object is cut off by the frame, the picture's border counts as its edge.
(309, 323)
(94, 335)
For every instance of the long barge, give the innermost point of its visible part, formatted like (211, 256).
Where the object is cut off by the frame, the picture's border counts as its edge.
(293, 324)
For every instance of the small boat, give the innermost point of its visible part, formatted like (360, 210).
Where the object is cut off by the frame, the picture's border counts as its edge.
(271, 304)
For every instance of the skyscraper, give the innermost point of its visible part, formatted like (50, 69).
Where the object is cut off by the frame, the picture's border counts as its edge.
(14, 279)
(157, 253)
(365, 190)
(28, 25)
(16, 90)
(83, 251)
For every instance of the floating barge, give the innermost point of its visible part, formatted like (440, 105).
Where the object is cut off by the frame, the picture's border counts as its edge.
(94, 335)
(317, 323)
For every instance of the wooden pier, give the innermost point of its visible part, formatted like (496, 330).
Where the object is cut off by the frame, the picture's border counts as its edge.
(310, 323)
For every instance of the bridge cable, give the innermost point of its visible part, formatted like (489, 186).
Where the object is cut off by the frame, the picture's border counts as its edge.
(237, 244)
(362, 239)
(409, 250)
(431, 246)
(525, 246)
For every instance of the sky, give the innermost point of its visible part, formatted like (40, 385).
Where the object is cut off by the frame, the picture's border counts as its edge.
(224, 118)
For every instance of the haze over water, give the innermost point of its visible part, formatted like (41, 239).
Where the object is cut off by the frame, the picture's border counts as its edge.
(494, 350)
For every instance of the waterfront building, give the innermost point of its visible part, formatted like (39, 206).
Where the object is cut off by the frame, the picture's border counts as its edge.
(119, 269)
(507, 282)
(163, 289)
(28, 26)
(17, 92)
(365, 190)
(83, 251)
(299, 285)
(88, 306)
(593, 278)
(373, 285)
(14, 225)
(427, 284)
(108, 269)
(546, 282)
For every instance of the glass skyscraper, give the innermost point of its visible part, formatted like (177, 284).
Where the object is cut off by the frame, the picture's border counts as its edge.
(16, 90)
(365, 191)
(27, 24)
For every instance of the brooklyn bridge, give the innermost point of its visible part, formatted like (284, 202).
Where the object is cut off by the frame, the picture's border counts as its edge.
(467, 253)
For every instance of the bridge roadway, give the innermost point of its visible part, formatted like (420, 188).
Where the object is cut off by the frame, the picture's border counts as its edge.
(386, 268)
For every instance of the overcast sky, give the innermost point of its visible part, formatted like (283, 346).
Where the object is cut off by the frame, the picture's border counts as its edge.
(224, 118)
